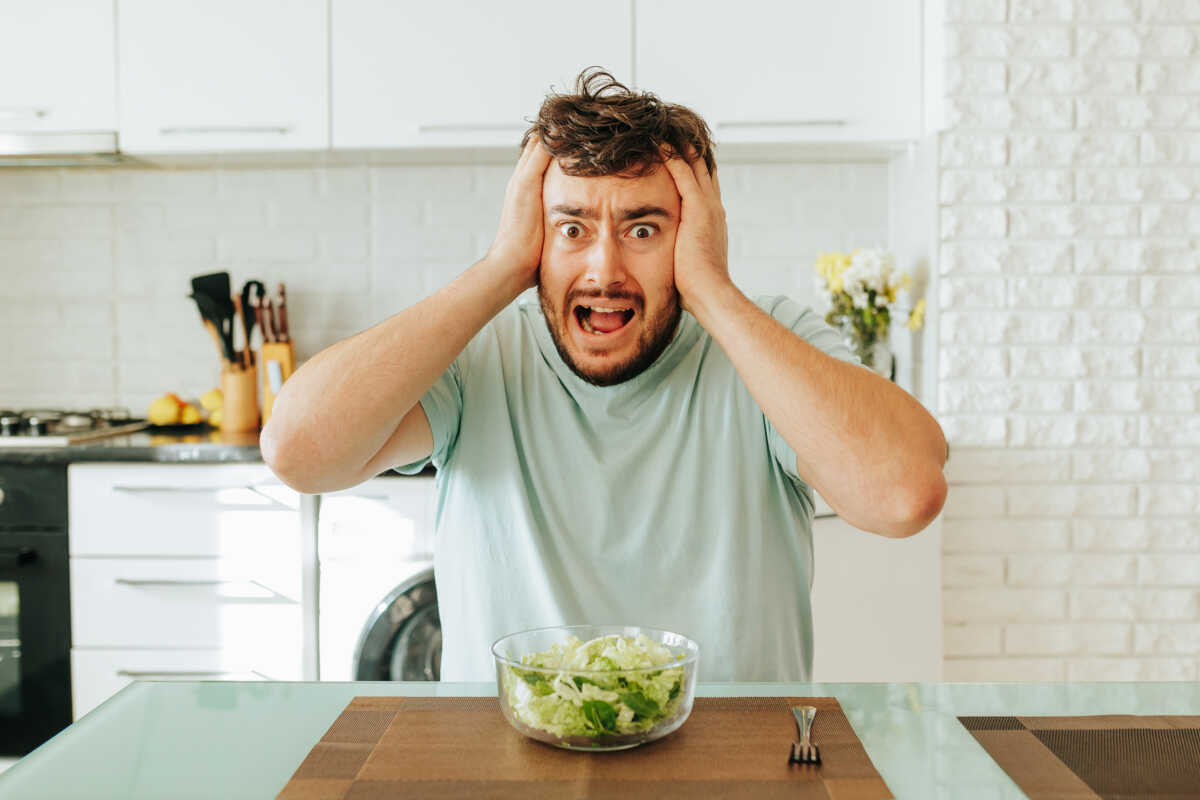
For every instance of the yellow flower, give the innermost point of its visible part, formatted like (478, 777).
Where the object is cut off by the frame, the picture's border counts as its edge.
(830, 266)
(916, 317)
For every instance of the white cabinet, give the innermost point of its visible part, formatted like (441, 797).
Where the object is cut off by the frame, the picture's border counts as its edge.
(62, 51)
(223, 75)
(460, 72)
(764, 71)
(877, 608)
(182, 569)
(371, 538)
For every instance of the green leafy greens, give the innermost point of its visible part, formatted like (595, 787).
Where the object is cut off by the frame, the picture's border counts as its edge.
(629, 687)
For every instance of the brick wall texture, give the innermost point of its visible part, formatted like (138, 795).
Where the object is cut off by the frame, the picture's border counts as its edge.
(1069, 339)
(95, 262)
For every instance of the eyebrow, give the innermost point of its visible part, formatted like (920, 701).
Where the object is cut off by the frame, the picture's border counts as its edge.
(627, 214)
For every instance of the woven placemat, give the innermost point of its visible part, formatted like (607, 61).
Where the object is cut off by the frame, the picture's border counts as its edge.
(1113, 756)
(451, 747)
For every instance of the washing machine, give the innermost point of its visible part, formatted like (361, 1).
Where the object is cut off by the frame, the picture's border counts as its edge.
(377, 600)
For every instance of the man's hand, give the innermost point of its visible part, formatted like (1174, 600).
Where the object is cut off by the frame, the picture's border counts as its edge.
(517, 249)
(702, 241)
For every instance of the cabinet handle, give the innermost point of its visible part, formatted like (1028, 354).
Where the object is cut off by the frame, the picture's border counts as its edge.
(780, 123)
(188, 130)
(18, 112)
(467, 127)
(142, 583)
(179, 673)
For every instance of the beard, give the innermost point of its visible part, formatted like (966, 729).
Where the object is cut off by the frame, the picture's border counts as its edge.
(657, 332)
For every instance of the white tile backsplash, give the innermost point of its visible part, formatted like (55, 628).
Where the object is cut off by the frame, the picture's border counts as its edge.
(96, 262)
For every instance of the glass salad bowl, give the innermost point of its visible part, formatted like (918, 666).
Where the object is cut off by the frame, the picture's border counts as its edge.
(596, 687)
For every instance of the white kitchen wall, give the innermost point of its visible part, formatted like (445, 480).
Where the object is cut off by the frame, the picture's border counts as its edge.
(1070, 327)
(95, 262)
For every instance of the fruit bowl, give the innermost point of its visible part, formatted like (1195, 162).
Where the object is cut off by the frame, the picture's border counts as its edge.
(596, 687)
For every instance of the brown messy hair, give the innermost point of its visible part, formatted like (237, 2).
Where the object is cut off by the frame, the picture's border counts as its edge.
(606, 129)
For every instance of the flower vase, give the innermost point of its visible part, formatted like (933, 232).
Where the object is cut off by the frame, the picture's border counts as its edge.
(876, 356)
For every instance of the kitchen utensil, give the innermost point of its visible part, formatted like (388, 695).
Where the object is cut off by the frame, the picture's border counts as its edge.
(656, 700)
(804, 751)
(242, 353)
(283, 320)
(270, 331)
(251, 290)
(213, 314)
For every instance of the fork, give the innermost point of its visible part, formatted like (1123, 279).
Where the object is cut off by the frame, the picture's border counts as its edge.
(804, 751)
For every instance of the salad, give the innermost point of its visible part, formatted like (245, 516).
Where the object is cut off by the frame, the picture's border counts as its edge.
(557, 700)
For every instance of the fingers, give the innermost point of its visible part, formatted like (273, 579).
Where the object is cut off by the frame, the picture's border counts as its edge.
(685, 177)
(534, 160)
(692, 174)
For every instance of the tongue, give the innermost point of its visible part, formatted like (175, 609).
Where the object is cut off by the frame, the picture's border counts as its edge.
(606, 321)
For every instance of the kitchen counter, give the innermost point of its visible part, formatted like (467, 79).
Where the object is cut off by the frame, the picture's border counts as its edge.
(171, 446)
(244, 740)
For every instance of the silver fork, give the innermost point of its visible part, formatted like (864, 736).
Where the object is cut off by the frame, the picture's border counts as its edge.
(804, 751)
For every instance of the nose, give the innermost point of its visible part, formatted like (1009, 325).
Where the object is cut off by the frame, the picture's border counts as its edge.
(605, 265)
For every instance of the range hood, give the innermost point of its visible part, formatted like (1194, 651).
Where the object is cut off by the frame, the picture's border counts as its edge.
(85, 149)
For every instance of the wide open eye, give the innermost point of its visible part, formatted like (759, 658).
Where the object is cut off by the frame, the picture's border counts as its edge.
(571, 230)
(643, 231)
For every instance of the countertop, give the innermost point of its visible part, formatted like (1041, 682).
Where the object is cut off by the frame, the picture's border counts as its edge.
(244, 740)
(203, 446)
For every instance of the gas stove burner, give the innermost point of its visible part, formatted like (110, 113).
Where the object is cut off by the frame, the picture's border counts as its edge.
(38, 422)
(52, 427)
(10, 423)
(115, 415)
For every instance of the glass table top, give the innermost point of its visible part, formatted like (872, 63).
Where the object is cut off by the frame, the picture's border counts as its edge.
(244, 740)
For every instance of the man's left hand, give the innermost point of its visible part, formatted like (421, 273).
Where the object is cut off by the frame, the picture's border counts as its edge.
(702, 240)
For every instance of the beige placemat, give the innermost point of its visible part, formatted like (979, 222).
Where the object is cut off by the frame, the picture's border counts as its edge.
(1112, 756)
(452, 747)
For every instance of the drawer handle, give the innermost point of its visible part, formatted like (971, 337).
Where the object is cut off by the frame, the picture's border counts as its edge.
(17, 112)
(141, 583)
(186, 130)
(779, 123)
(468, 127)
(171, 673)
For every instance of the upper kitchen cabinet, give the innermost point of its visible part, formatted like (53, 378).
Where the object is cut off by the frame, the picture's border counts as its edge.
(457, 73)
(63, 52)
(223, 75)
(764, 71)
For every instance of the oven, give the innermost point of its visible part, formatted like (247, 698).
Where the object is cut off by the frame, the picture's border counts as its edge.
(35, 606)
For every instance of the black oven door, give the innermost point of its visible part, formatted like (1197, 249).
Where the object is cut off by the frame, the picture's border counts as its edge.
(35, 639)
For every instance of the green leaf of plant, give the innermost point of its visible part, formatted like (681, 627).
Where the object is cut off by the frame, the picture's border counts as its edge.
(601, 715)
(674, 691)
(642, 706)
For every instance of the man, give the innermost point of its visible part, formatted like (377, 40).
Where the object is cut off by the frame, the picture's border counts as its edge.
(636, 447)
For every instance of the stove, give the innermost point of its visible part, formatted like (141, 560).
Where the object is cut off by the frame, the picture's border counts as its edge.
(59, 428)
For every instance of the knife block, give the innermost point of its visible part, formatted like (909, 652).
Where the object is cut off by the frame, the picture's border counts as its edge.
(278, 360)
(239, 411)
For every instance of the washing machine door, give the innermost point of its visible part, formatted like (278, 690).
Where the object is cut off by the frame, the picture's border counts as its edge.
(402, 640)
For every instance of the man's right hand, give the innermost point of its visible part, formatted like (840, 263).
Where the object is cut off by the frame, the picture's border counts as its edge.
(517, 248)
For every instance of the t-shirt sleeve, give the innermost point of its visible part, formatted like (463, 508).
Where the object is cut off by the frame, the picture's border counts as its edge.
(812, 328)
(443, 405)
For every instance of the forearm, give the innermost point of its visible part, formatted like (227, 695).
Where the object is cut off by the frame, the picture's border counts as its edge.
(338, 410)
(869, 447)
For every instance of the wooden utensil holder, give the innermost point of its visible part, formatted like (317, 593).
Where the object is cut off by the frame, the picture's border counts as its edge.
(239, 412)
(278, 363)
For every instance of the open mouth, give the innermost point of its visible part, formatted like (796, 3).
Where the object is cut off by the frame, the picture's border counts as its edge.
(601, 320)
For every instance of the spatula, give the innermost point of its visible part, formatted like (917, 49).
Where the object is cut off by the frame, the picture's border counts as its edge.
(216, 287)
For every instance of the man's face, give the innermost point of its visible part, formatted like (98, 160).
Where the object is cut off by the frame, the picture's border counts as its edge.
(607, 278)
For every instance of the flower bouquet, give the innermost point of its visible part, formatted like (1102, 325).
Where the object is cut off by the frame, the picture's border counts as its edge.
(860, 290)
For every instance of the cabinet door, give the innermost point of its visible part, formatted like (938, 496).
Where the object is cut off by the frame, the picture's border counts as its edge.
(223, 75)
(63, 52)
(460, 72)
(763, 71)
(877, 604)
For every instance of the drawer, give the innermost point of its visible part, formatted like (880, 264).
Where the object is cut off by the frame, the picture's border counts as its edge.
(97, 675)
(193, 603)
(181, 510)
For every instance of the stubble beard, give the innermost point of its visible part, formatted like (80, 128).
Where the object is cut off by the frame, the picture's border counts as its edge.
(656, 334)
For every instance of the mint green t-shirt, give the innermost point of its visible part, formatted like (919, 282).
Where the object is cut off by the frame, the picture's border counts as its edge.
(667, 501)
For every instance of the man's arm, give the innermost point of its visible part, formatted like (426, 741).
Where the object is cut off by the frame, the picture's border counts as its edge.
(870, 448)
(353, 410)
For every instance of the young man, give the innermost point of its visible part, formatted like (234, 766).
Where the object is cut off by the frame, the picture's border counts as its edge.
(636, 447)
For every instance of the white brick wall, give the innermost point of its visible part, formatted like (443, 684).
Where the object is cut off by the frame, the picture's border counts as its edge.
(95, 263)
(1069, 369)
